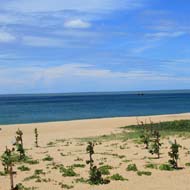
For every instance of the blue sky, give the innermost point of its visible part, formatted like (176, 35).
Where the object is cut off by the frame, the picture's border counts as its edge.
(94, 45)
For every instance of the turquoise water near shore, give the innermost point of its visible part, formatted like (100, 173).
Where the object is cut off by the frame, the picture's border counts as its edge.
(17, 109)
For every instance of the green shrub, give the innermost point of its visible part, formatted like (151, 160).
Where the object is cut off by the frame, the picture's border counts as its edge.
(152, 166)
(3, 173)
(39, 172)
(31, 162)
(155, 144)
(117, 177)
(105, 169)
(48, 158)
(166, 167)
(36, 176)
(187, 164)
(78, 166)
(19, 144)
(132, 167)
(126, 161)
(67, 172)
(23, 168)
(65, 186)
(81, 180)
(20, 186)
(174, 154)
(95, 174)
(140, 173)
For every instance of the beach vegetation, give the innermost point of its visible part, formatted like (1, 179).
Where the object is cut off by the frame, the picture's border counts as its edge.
(67, 172)
(166, 167)
(51, 144)
(146, 134)
(174, 154)
(118, 177)
(8, 163)
(23, 168)
(127, 161)
(169, 128)
(132, 167)
(95, 174)
(65, 186)
(81, 180)
(20, 186)
(36, 137)
(19, 144)
(48, 158)
(78, 166)
(155, 144)
(140, 173)
(105, 169)
(151, 166)
(36, 176)
(187, 164)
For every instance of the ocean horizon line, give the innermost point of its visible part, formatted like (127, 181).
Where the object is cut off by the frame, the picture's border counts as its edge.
(98, 93)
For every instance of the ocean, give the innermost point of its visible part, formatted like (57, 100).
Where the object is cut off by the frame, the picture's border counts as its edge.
(17, 109)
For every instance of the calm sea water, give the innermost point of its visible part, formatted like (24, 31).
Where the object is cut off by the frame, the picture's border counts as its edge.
(16, 109)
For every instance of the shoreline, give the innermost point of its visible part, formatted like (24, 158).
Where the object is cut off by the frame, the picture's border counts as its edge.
(99, 118)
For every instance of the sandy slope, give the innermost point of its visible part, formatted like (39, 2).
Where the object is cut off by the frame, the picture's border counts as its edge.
(73, 149)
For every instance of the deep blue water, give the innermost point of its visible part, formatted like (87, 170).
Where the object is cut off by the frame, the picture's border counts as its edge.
(16, 109)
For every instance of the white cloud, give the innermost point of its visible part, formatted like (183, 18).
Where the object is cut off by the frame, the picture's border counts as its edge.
(89, 71)
(74, 77)
(77, 23)
(37, 41)
(152, 40)
(160, 35)
(6, 37)
(77, 5)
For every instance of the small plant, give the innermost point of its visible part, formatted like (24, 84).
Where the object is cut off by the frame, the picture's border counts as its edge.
(48, 158)
(65, 186)
(151, 166)
(39, 172)
(127, 161)
(155, 144)
(19, 134)
(78, 166)
(165, 167)
(95, 174)
(19, 143)
(117, 177)
(36, 137)
(36, 176)
(81, 180)
(20, 186)
(8, 163)
(132, 167)
(67, 172)
(145, 136)
(174, 154)
(23, 168)
(187, 164)
(31, 162)
(105, 169)
(140, 173)
(90, 150)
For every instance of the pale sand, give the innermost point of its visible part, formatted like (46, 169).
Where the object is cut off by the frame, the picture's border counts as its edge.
(159, 180)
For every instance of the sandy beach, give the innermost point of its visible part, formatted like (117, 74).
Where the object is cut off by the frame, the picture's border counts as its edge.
(73, 149)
